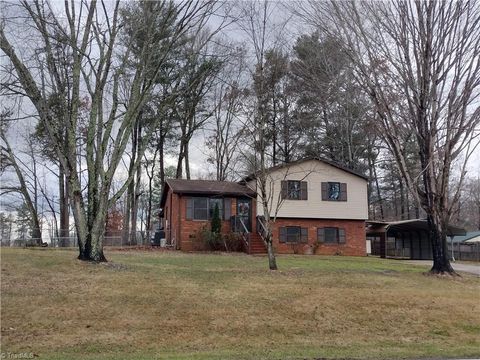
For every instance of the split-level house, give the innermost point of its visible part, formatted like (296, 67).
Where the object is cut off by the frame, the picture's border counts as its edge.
(316, 206)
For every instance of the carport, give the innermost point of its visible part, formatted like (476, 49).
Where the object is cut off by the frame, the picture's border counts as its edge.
(406, 239)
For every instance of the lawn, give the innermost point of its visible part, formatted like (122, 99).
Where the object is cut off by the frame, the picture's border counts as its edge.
(171, 305)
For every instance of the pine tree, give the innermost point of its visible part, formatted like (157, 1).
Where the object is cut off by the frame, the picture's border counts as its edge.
(216, 222)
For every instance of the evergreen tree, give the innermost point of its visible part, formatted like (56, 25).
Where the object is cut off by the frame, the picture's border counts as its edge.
(216, 222)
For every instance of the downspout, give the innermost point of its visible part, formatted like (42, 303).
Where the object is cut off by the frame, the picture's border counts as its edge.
(170, 218)
(179, 219)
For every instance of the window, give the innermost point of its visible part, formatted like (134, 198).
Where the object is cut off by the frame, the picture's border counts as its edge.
(331, 235)
(202, 208)
(293, 234)
(294, 190)
(334, 191)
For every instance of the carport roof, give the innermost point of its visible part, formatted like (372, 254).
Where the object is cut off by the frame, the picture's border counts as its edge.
(407, 225)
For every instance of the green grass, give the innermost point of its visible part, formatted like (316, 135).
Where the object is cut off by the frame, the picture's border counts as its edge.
(170, 305)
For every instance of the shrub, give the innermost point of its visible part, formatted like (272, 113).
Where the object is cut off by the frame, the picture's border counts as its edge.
(214, 242)
(233, 242)
(206, 240)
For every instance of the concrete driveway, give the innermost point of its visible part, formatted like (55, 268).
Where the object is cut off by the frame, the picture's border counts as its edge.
(460, 267)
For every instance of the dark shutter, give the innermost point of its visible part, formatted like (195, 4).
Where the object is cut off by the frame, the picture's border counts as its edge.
(324, 191)
(341, 236)
(227, 208)
(189, 214)
(283, 234)
(343, 192)
(304, 235)
(321, 235)
(284, 193)
(303, 190)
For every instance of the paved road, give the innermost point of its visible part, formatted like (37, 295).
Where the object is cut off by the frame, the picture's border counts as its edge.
(469, 268)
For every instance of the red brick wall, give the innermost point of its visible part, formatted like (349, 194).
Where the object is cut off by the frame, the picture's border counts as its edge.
(189, 228)
(355, 244)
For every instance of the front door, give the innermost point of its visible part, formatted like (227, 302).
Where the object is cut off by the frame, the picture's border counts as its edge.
(244, 211)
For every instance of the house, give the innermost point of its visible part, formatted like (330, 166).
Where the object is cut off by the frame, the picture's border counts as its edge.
(465, 247)
(320, 207)
(404, 239)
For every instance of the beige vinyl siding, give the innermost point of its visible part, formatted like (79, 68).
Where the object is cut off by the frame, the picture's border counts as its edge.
(315, 172)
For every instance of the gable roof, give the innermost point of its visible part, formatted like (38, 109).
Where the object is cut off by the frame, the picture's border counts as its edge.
(329, 162)
(205, 187)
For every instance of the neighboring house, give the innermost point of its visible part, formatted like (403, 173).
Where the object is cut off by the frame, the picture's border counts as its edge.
(320, 208)
(465, 247)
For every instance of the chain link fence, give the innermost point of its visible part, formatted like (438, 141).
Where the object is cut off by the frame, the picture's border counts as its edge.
(136, 239)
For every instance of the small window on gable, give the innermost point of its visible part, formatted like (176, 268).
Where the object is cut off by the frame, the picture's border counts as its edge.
(294, 190)
(334, 191)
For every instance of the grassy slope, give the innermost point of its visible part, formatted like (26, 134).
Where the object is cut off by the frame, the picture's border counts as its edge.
(200, 306)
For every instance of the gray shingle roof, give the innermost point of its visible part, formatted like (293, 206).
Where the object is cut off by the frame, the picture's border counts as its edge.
(209, 187)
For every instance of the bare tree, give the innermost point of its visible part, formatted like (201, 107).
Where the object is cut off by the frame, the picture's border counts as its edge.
(101, 65)
(191, 114)
(29, 193)
(228, 97)
(419, 63)
(254, 21)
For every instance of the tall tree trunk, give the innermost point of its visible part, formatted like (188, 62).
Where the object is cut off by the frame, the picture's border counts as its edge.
(161, 146)
(64, 206)
(181, 156)
(379, 194)
(402, 199)
(433, 206)
(126, 214)
(272, 261)
(407, 198)
(130, 203)
(438, 236)
(133, 219)
(148, 225)
(187, 161)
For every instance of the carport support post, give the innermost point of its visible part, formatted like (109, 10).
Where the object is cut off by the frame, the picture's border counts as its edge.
(453, 252)
(383, 245)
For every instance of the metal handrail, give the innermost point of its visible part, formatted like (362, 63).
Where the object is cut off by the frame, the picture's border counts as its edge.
(263, 229)
(245, 234)
(245, 230)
